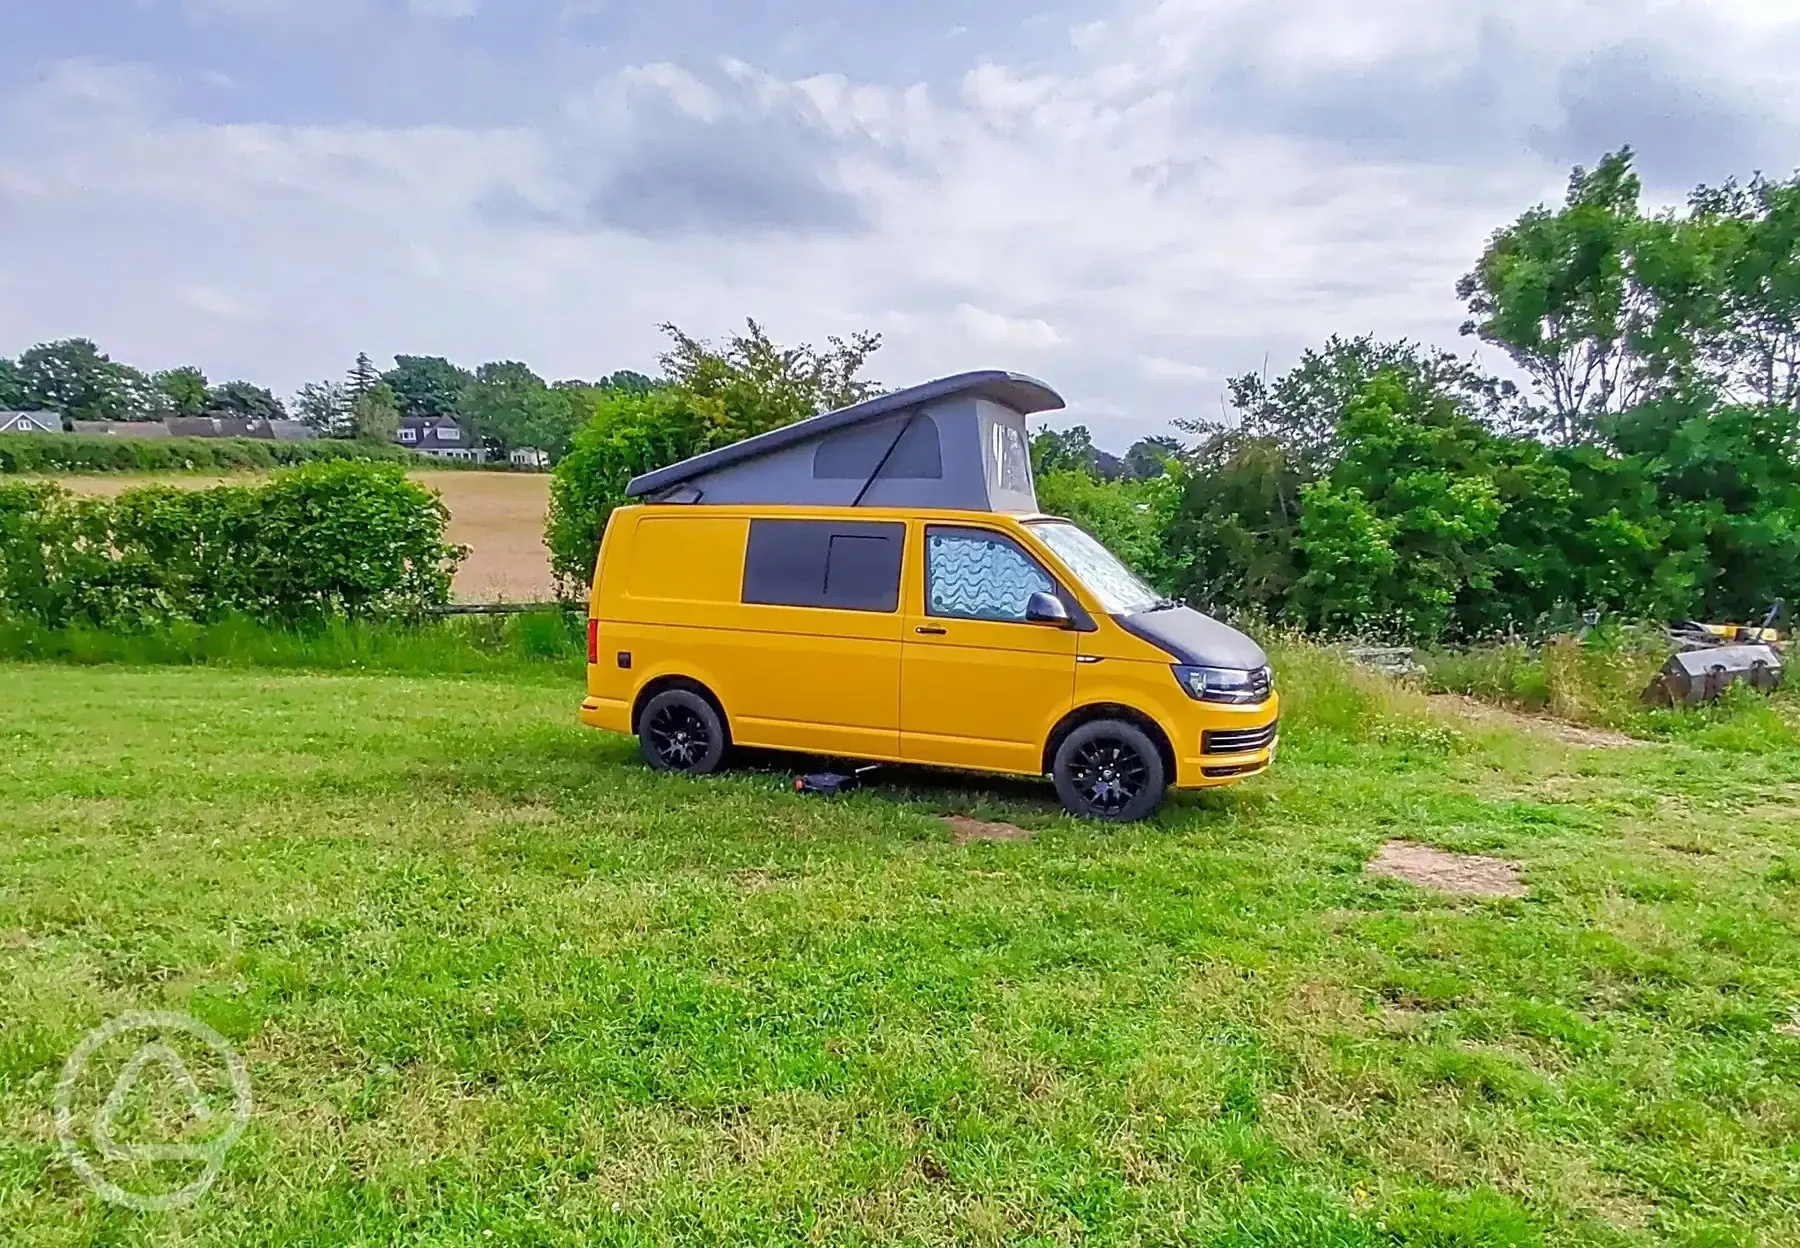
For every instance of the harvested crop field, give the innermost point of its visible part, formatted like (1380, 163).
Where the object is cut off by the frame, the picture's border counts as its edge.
(499, 516)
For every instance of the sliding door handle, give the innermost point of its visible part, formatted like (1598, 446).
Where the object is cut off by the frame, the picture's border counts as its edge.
(930, 630)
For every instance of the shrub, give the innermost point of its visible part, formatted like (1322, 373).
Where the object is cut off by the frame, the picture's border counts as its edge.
(54, 453)
(322, 541)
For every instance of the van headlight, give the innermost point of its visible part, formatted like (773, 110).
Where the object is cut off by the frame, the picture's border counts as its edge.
(1225, 684)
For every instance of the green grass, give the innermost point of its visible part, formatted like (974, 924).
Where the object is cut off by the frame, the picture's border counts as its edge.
(537, 644)
(490, 974)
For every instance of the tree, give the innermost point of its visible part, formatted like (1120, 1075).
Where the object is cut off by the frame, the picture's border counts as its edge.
(241, 400)
(363, 376)
(763, 386)
(628, 382)
(1301, 408)
(1149, 457)
(12, 386)
(75, 378)
(508, 406)
(1751, 343)
(185, 389)
(375, 415)
(1560, 293)
(427, 385)
(1062, 450)
(327, 407)
(1233, 528)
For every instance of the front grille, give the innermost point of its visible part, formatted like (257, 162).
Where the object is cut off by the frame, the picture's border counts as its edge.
(1238, 740)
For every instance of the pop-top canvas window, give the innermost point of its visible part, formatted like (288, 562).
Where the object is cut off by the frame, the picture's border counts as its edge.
(1007, 460)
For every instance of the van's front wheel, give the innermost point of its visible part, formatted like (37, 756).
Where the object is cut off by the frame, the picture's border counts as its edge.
(1109, 769)
(680, 731)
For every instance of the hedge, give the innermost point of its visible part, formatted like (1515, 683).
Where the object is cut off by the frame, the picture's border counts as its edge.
(322, 541)
(78, 452)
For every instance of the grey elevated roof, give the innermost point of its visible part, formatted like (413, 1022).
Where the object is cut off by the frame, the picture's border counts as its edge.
(1022, 394)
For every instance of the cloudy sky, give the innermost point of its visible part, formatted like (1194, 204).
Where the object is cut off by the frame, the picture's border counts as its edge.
(1132, 199)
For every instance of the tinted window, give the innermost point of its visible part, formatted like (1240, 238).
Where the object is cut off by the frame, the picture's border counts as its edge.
(979, 576)
(824, 563)
(853, 454)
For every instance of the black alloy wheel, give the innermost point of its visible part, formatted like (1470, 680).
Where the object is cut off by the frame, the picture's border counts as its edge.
(680, 731)
(1109, 769)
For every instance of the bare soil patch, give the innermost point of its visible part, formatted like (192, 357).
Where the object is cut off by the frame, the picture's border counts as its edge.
(964, 829)
(499, 516)
(1485, 713)
(1470, 874)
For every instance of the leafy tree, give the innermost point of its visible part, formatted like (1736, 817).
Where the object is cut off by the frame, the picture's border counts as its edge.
(1130, 518)
(427, 385)
(764, 386)
(628, 382)
(242, 400)
(1751, 343)
(185, 389)
(1233, 527)
(1560, 292)
(507, 406)
(75, 378)
(1149, 457)
(327, 407)
(12, 386)
(1301, 408)
(1062, 450)
(375, 414)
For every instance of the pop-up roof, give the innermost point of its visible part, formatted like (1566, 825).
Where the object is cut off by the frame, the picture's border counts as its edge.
(958, 442)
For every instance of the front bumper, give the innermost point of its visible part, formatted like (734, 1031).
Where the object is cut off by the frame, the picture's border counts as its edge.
(1232, 745)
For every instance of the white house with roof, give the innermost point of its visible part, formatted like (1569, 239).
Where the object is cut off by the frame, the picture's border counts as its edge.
(440, 437)
(31, 422)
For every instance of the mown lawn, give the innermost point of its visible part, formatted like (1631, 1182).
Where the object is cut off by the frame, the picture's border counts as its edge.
(497, 983)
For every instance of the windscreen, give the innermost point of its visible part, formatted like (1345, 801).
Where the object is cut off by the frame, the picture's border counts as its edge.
(1116, 586)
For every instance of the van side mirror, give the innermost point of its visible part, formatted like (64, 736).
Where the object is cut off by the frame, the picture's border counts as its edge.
(1042, 608)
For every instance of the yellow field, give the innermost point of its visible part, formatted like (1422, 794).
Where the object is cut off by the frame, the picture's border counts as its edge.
(499, 516)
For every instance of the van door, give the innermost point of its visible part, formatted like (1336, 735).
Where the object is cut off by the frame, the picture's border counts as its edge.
(979, 686)
(815, 643)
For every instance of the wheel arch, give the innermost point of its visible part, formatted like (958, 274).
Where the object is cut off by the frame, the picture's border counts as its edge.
(1110, 710)
(661, 684)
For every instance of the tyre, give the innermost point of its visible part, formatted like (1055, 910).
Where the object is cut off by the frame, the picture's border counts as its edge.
(1109, 769)
(680, 731)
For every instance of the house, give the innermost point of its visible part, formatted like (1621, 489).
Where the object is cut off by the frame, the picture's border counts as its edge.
(440, 437)
(122, 428)
(30, 422)
(529, 457)
(238, 427)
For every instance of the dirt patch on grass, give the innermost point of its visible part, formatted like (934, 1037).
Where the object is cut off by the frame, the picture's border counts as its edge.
(1486, 714)
(964, 829)
(1470, 874)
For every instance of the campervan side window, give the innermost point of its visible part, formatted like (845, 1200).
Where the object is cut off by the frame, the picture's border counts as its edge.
(849, 566)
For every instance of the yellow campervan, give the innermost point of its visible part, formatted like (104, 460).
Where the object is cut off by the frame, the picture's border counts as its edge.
(877, 583)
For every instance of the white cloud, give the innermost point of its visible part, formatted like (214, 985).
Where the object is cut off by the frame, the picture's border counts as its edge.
(1163, 369)
(1201, 185)
(444, 8)
(1012, 332)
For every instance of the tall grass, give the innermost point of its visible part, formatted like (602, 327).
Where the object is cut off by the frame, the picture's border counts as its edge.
(550, 643)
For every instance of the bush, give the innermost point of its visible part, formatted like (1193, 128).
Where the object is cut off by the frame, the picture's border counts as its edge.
(81, 453)
(321, 541)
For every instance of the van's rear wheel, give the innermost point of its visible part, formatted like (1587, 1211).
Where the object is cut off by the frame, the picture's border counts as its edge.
(680, 731)
(1109, 769)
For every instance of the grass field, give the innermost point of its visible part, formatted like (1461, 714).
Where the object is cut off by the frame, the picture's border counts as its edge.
(499, 516)
(495, 982)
